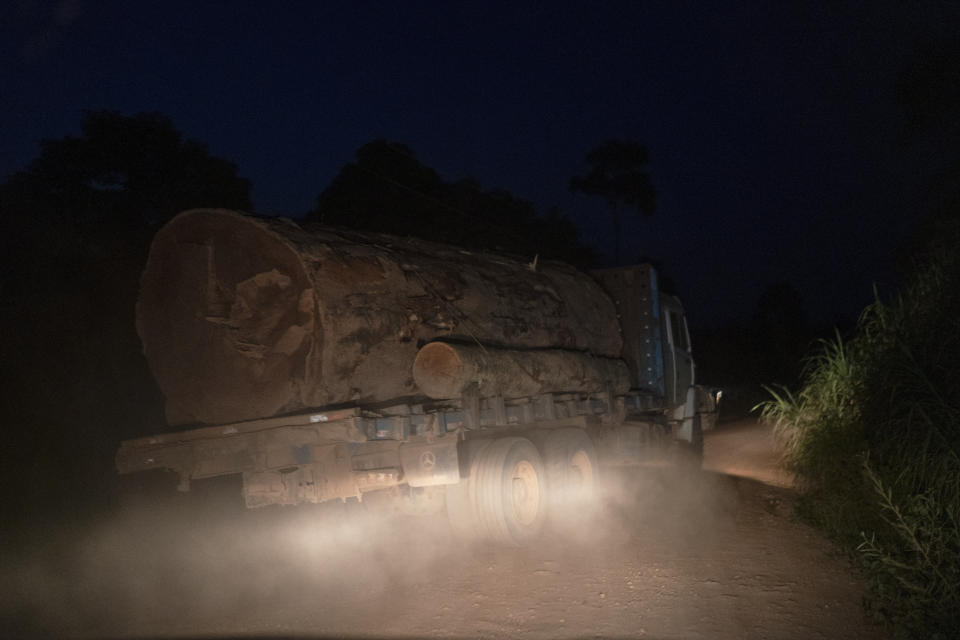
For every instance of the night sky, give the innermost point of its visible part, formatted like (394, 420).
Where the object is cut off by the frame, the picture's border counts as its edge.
(776, 143)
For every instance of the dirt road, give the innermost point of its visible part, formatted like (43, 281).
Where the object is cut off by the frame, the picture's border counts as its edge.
(713, 556)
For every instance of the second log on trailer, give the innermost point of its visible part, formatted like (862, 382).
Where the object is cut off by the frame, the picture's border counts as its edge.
(443, 370)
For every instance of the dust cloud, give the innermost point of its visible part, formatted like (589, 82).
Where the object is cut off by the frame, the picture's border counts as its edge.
(661, 552)
(194, 564)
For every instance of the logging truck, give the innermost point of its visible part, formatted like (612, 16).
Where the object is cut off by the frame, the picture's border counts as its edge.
(324, 364)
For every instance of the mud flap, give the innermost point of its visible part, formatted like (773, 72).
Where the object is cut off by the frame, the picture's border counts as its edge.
(688, 413)
(430, 464)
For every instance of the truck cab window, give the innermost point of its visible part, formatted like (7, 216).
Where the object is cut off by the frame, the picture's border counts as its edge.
(678, 331)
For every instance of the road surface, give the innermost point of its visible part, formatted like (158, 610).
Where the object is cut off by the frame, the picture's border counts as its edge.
(718, 554)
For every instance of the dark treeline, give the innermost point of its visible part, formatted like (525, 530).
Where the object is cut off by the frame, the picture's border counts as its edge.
(78, 222)
(388, 189)
(766, 349)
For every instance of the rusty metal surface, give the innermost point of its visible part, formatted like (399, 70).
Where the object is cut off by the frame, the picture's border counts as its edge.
(211, 451)
(326, 421)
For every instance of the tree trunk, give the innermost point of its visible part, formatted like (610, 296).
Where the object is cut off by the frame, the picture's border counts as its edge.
(444, 370)
(244, 317)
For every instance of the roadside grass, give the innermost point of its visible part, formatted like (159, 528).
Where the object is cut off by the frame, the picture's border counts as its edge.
(873, 438)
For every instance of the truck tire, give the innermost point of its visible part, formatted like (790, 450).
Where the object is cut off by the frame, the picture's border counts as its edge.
(460, 514)
(460, 508)
(572, 470)
(504, 499)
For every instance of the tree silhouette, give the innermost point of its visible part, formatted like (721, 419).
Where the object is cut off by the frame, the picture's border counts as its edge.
(388, 189)
(618, 174)
(106, 192)
(78, 222)
(385, 189)
(140, 163)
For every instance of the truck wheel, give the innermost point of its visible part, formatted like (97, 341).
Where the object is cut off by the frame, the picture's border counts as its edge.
(508, 491)
(459, 498)
(460, 510)
(572, 468)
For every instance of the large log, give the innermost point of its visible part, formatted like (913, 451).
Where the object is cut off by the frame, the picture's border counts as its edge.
(243, 317)
(444, 370)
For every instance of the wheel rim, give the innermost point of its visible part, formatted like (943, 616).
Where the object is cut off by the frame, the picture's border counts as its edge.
(526, 492)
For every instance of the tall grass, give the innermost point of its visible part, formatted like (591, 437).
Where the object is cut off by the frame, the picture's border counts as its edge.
(873, 437)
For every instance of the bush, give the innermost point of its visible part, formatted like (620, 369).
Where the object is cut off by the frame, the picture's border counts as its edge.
(873, 437)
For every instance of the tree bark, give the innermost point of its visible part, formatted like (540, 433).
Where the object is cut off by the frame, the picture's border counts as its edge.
(243, 317)
(444, 370)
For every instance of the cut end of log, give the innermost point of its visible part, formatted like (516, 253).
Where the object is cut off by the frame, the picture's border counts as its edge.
(225, 315)
(438, 370)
